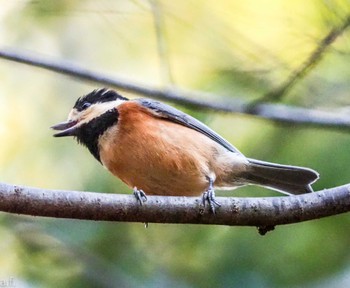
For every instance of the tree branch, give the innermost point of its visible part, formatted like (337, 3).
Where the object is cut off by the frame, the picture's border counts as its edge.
(275, 112)
(261, 212)
(314, 58)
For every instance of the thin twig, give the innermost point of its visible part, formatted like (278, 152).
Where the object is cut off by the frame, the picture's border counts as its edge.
(261, 212)
(314, 58)
(279, 113)
(161, 42)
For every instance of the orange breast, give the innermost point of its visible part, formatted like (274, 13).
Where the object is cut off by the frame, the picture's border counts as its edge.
(155, 155)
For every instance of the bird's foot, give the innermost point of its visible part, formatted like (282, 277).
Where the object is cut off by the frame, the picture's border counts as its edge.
(140, 195)
(209, 196)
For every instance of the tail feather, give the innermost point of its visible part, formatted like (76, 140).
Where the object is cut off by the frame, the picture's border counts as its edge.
(283, 178)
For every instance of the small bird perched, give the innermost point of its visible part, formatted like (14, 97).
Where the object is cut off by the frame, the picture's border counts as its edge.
(158, 150)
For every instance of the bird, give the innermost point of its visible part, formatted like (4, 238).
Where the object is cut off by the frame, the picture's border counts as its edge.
(158, 150)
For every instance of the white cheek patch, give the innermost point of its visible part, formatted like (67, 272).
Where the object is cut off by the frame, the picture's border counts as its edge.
(73, 115)
(94, 111)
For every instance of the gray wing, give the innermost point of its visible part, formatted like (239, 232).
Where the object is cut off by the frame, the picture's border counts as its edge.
(167, 112)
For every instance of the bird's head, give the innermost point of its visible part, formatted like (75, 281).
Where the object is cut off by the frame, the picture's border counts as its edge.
(90, 117)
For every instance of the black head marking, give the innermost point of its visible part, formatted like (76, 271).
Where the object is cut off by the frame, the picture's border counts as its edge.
(88, 134)
(97, 96)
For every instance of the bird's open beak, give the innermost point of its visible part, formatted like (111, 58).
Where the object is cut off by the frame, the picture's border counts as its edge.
(68, 128)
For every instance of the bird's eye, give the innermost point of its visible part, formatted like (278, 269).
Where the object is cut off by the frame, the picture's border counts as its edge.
(85, 105)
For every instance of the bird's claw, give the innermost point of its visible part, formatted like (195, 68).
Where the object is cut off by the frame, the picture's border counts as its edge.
(140, 195)
(209, 196)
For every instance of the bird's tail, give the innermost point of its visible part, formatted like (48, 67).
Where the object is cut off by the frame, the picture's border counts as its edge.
(283, 178)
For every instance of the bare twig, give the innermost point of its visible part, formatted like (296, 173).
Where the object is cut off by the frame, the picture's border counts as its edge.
(279, 113)
(314, 58)
(161, 42)
(261, 212)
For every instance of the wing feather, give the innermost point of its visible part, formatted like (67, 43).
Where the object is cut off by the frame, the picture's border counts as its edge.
(172, 114)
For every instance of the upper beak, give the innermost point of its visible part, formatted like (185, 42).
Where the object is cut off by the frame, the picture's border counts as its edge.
(68, 128)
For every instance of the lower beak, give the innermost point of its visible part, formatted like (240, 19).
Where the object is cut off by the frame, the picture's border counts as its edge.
(68, 128)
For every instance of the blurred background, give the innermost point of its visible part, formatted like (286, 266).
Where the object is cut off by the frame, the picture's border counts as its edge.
(232, 49)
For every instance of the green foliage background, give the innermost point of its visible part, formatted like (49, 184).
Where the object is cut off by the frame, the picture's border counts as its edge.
(231, 48)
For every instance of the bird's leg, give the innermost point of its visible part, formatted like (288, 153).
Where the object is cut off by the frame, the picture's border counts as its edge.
(209, 196)
(140, 195)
